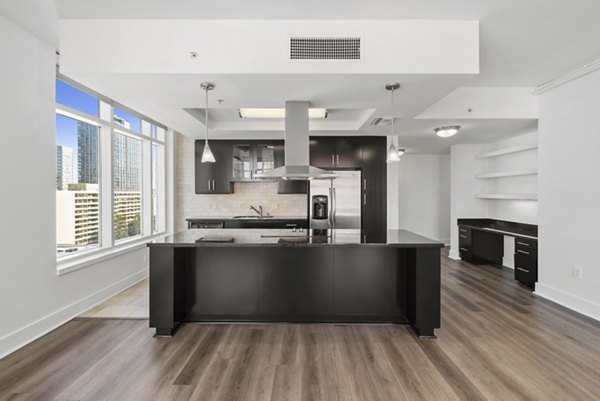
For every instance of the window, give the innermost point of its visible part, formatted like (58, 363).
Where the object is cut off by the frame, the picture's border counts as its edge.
(77, 190)
(103, 149)
(126, 120)
(69, 96)
(127, 186)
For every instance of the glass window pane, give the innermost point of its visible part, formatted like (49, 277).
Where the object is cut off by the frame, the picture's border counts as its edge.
(160, 134)
(127, 186)
(126, 120)
(76, 99)
(77, 191)
(154, 190)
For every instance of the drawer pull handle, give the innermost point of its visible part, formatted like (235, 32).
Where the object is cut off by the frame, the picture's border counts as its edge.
(291, 225)
(525, 252)
(523, 270)
(464, 230)
(464, 249)
(523, 243)
(463, 236)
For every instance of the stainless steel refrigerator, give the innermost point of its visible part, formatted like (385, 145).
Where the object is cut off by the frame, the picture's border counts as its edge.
(343, 199)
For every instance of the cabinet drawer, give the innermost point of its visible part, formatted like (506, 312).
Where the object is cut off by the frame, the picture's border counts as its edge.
(526, 269)
(525, 243)
(525, 251)
(465, 252)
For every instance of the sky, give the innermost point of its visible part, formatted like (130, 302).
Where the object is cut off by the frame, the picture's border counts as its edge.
(66, 127)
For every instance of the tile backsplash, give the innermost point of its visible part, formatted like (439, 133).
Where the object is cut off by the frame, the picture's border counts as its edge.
(188, 204)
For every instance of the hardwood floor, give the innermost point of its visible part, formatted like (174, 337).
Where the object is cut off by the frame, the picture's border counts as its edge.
(497, 342)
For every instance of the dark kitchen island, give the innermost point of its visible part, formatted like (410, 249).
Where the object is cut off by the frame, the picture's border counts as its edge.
(276, 275)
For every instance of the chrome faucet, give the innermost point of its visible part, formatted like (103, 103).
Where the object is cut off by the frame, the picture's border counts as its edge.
(259, 212)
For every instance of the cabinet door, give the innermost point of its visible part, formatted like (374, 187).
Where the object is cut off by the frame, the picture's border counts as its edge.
(203, 171)
(374, 166)
(322, 152)
(242, 161)
(221, 169)
(374, 216)
(264, 159)
(348, 153)
(526, 269)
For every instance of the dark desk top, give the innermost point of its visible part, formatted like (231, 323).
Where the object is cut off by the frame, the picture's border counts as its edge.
(286, 237)
(501, 227)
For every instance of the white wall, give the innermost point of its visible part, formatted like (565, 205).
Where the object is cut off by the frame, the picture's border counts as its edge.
(465, 186)
(569, 188)
(33, 299)
(419, 195)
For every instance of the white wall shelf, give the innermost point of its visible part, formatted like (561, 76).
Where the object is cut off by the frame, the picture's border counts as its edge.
(513, 173)
(508, 196)
(505, 151)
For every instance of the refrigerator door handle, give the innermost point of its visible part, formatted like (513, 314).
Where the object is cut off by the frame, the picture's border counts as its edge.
(330, 214)
(334, 206)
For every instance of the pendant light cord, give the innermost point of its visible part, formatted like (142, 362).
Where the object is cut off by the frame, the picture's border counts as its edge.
(206, 114)
(393, 108)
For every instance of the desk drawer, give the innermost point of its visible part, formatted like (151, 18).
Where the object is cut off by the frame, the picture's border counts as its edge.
(526, 243)
(525, 251)
(526, 269)
(465, 252)
(464, 233)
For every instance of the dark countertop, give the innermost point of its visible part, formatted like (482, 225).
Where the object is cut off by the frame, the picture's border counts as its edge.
(274, 237)
(221, 218)
(501, 227)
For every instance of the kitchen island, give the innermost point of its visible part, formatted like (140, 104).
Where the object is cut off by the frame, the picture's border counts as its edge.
(277, 275)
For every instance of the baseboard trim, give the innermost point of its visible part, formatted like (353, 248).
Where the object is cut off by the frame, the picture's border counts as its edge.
(31, 332)
(453, 254)
(567, 300)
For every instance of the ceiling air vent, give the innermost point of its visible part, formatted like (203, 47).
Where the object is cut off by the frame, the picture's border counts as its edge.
(325, 48)
(384, 121)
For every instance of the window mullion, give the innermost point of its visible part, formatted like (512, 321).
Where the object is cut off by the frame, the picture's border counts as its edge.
(106, 187)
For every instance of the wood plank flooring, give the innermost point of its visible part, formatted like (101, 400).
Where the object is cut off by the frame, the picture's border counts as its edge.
(497, 342)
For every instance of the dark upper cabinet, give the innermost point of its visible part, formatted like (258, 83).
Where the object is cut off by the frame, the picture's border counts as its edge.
(374, 166)
(348, 153)
(335, 152)
(242, 161)
(213, 178)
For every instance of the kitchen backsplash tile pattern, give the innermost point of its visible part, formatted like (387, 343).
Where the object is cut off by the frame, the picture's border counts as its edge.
(188, 204)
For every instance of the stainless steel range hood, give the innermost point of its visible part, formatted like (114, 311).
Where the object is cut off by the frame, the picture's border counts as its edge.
(296, 147)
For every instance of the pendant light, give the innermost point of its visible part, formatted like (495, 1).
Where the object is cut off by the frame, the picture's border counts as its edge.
(393, 155)
(207, 154)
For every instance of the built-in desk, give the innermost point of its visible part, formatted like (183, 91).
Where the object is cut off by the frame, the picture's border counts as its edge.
(482, 241)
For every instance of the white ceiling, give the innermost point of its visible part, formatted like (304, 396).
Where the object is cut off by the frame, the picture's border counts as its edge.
(522, 44)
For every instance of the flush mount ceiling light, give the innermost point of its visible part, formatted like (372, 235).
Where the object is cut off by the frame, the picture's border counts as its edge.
(447, 131)
(393, 154)
(278, 113)
(207, 154)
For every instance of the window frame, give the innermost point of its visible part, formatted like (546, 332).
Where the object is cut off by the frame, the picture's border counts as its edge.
(108, 246)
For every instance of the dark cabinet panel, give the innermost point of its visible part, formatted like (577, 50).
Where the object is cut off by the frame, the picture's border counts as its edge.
(266, 223)
(322, 152)
(369, 282)
(374, 166)
(213, 178)
(374, 216)
(295, 282)
(526, 269)
(224, 283)
(348, 153)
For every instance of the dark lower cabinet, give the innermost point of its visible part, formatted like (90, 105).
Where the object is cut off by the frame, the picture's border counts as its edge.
(217, 283)
(464, 243)
(526, 269)
(526, 261)
(367, 282)
(295, 282)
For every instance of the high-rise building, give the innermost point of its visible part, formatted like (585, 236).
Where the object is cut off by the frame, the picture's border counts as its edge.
(87, 149)
(127, 163)
(77, 216)
(64, 167)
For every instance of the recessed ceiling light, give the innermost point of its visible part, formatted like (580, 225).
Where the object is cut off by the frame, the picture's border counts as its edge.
(448, 131)
(278, 113)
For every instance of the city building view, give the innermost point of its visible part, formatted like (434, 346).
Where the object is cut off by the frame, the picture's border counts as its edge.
(77, 189)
